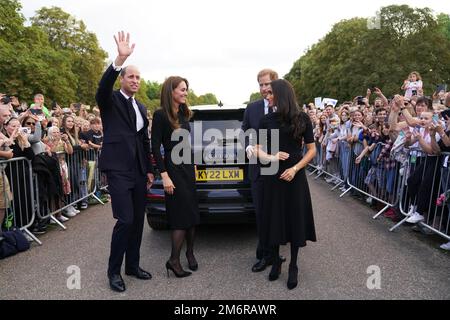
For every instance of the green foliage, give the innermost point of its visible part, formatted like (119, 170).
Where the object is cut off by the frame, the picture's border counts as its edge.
(254, 97)
(70, 37)
(205, 99)
(352, 58)
(444, 24)
(11, 20)
(55, 56)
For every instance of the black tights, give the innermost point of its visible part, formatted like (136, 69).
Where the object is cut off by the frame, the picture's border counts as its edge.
(178, 237)
(294, 254)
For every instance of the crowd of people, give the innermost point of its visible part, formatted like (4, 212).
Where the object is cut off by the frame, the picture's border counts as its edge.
(382, 139)
(49, 137)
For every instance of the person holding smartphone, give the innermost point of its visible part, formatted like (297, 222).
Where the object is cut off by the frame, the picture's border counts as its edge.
(413, 85)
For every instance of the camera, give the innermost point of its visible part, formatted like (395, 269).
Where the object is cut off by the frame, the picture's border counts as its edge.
(414, 92)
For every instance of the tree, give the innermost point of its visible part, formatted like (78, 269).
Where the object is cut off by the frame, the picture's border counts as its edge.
(29, 64)
(352, 58)
(70, 36)
(444, 24)
(254, 97)
(11, 19)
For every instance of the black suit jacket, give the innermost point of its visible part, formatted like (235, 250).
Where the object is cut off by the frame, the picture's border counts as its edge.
(122, 145)
(252, 118)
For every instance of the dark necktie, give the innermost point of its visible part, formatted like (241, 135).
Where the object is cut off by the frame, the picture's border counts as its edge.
(270, 109)
(132, 112)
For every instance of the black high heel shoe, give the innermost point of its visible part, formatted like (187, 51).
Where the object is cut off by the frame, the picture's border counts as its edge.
(193, 265)
(182, 274)
(276, 269)
(292, 278)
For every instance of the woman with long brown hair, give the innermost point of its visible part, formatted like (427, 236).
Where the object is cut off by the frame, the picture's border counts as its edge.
(178, 179)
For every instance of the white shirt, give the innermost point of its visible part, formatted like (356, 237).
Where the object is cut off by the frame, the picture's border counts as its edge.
(139, 119)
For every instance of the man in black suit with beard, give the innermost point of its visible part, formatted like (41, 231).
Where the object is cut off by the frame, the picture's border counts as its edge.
(252, 117)
(125, 158)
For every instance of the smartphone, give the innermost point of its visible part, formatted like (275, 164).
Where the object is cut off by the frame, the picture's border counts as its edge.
(25, 130)
(414, 92)
(435, 119)
(36, 111)
(441, 87)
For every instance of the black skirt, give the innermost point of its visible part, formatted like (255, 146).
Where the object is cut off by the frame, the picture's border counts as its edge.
(287, 214)
(182, 206)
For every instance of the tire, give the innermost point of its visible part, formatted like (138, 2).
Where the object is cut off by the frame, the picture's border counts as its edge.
(157, 223)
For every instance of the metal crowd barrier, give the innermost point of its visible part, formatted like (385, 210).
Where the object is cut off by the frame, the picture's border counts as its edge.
(330, 168)
(427, 191)
(372, 179)
(17, 192)
(386, 181)
(81, 165)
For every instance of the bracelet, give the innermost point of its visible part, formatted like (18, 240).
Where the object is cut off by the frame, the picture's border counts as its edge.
(295, 168)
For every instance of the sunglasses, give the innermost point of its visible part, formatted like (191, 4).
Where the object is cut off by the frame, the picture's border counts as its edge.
(30, 123)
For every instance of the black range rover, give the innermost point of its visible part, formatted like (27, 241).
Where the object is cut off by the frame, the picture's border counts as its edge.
(223, 187)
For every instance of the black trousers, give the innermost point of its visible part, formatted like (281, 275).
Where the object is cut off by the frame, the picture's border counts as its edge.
(423, 184)
(128, 191)
(262, 251)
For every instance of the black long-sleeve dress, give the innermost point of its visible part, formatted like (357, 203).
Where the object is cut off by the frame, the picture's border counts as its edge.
(287, 208)
(182, 206)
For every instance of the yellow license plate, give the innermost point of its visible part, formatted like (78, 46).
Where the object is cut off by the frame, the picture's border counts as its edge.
(220, 175)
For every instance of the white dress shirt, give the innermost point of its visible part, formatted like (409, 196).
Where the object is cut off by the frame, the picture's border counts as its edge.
(139, 119)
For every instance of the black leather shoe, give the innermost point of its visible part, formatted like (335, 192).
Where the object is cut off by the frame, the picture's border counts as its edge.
(140, 274)
(116, 283)
(276, 270)
(261, 265)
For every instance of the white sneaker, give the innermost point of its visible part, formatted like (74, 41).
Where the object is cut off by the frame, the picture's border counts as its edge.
(415, 218)
(68, 212)
(446, 246)
(62, 219)
(74, 209)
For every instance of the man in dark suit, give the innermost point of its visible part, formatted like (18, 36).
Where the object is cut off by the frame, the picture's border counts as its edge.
(252, 116)
(125, 158)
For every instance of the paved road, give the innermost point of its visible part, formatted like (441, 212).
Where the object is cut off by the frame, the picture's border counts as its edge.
(333, 268)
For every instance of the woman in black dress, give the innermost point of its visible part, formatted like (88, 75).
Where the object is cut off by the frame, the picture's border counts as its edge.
(287, 209)
(178, 179)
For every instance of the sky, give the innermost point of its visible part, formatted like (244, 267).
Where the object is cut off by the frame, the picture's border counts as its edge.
(219, 46)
